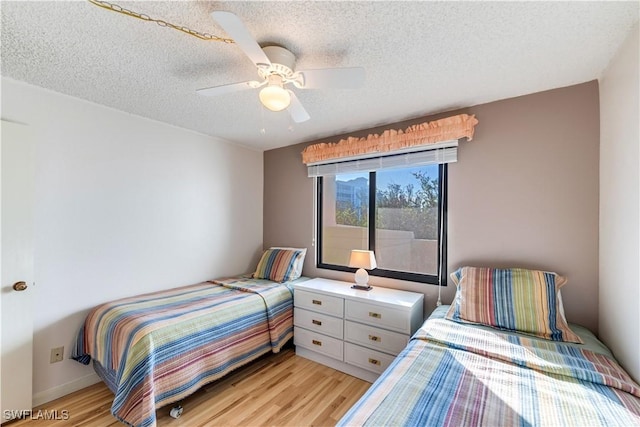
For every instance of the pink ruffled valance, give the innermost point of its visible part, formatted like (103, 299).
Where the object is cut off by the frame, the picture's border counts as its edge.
(446, 129)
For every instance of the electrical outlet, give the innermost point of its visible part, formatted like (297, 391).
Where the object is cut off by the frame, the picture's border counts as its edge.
(57, 354)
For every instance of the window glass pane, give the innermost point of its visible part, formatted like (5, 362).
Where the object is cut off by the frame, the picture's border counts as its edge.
(345, 216)
(407, 219)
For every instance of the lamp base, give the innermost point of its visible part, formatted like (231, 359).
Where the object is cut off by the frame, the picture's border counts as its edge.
(362, 280)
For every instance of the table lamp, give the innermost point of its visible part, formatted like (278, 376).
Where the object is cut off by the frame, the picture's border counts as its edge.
(363, 261)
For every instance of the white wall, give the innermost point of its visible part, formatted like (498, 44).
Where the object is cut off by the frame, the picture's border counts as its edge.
(125, 205)
(619, 287)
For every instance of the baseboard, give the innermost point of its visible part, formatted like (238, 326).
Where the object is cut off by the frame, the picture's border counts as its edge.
(64, 389)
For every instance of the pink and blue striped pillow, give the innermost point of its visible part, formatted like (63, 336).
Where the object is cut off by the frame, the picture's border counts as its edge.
(280, 264)
(514, 299)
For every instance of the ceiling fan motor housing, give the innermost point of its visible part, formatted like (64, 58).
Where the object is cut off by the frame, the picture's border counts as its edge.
(282, 62)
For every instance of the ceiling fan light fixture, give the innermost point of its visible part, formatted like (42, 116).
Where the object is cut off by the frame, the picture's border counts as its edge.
(274, 96)
(276, 67)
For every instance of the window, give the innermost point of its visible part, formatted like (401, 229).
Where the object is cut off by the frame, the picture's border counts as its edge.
(398, 213)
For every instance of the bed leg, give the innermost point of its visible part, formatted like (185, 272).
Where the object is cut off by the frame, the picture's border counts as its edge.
(176, 411)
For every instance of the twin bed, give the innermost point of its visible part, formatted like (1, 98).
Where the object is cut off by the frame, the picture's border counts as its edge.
(501, 355)
(156, 349)
(480, 361)
(453, 374)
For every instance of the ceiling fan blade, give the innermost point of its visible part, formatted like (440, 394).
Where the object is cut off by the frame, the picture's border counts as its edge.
(233, 87)
(334, 78)
(296, 110)
(234, 27)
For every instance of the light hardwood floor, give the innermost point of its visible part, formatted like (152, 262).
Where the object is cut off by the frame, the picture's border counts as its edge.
(276, 390)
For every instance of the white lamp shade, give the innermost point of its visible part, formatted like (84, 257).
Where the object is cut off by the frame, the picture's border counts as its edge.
(275, 98)
(362, 259)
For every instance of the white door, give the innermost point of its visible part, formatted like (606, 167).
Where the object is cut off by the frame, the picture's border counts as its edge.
(16, 234)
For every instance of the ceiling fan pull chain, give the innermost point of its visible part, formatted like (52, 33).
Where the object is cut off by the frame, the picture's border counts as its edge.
(160, 22)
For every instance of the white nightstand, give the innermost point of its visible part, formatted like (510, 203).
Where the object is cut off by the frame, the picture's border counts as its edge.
(357, 332)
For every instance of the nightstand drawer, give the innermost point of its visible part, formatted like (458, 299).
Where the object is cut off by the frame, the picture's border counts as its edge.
(318, 322)
(371, 314)
(372, 337)
(319, 302)
(366, 358)
(319, 343)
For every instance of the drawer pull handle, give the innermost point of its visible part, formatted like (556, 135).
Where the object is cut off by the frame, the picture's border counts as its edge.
(375, 315)
(374, 361)
(316, 322)
(375, 338)
(316, 302)
(316, 342)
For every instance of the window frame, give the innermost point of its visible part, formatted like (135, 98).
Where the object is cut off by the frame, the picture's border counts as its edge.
(432, 279)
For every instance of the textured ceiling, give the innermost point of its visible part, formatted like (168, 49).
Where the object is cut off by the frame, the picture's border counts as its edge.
(419, 57)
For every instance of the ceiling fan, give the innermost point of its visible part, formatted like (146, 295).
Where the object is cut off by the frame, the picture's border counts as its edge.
(275, 66)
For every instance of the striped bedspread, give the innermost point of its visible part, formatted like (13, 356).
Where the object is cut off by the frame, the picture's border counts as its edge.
(163, 346)
(459, 375)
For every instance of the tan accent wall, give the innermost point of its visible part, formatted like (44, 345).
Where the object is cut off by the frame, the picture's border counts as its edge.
(523, 193)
